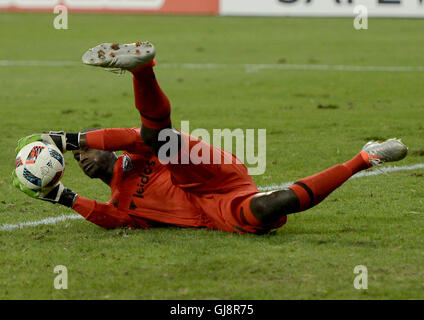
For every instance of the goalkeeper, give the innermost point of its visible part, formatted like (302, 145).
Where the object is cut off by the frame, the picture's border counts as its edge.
(146, 192)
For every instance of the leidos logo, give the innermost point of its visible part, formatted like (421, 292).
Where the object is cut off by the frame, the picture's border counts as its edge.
(144, 179)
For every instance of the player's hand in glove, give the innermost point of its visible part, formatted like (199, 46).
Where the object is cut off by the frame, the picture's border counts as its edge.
(57, 194)
(63, 141)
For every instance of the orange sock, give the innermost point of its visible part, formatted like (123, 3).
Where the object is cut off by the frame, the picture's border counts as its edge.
(312, 190)
(150, 100)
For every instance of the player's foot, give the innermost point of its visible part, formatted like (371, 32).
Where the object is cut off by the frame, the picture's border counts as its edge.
(387, 151)
(125, 56)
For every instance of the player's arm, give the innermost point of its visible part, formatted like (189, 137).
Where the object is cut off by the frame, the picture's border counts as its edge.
(113, 139)
(104, 215)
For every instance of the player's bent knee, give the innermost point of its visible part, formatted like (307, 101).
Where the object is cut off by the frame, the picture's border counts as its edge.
(270, 207)
(243, 220)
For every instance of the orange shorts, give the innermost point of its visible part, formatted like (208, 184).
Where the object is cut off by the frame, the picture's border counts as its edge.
(221, 191)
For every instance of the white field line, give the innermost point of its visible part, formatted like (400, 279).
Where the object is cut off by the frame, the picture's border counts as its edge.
(247, 67)
(38, 63)
(55, 220)
(46, 221)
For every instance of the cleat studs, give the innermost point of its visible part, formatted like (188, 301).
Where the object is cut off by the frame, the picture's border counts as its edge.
(114, 46)
(101, 54)
(137, 44)
(112, 54)
(137, 51)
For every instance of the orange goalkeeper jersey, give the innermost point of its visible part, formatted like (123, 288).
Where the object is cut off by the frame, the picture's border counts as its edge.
(146, 193)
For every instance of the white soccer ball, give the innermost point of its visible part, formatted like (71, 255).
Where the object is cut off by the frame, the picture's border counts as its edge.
(39, 165)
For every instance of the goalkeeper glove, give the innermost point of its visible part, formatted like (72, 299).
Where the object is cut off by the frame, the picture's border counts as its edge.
(63, 141)
(57, 194)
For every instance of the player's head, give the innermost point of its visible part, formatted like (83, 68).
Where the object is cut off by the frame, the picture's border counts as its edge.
(96, 163)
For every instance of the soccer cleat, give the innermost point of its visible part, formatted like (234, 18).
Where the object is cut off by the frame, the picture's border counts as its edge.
(125, 57)
(387, 151)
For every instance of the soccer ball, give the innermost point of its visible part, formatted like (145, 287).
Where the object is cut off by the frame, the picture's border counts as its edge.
(39, 165)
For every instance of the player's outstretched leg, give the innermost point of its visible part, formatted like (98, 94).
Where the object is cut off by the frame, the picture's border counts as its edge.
(268, 208)
(150, 100)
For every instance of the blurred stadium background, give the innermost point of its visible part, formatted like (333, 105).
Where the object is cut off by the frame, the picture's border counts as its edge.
(336, 8)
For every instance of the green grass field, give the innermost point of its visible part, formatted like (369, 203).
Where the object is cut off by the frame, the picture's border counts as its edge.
(376, 221)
